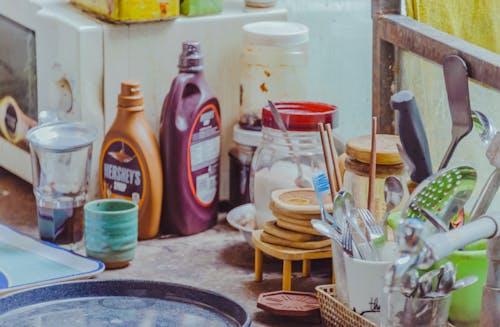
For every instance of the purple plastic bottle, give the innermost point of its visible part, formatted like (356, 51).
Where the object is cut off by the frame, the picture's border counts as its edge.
(190, 149)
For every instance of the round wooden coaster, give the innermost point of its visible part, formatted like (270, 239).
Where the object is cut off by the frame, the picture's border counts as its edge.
(298, 201)
(277, 212)
(272, 228)
(298, 228)
(289, 303)
(298, 222)
(312, 245)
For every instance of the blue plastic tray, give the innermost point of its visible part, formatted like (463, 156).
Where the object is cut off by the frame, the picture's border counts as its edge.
(27, 262)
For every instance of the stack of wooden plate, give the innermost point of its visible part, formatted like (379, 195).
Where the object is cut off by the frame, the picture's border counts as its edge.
(293, 210)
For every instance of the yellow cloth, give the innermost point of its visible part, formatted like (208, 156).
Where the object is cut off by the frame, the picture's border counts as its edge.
(476, 21)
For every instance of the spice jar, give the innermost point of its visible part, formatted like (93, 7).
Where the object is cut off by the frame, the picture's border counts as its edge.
(273, 66)
(357, 169)
(240, 161)
(275, 163)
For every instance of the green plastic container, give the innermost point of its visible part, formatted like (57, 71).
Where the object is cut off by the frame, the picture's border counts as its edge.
(200, 7)
(465, 308)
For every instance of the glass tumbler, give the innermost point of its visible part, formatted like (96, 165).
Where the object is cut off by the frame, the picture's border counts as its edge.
(61, 154)
(416, 312)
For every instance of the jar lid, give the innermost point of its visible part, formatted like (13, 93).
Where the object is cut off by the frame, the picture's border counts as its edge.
(382, 171)
(246, 137)
(359, 148)
(276, 33)
(301, 116)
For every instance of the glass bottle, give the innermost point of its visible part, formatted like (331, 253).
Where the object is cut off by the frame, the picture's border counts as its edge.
(240, 161)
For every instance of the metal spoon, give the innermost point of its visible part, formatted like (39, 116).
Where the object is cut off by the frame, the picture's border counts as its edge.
(425, 282)
(457, 89)
(464, 282)
(393, 194)
(483, 126)
(300, 181)
(409, 283)
(440, 276)
(447, 279)
(459, 284)
(487, 133)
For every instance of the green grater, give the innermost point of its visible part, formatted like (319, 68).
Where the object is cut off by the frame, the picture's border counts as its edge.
(443, 193)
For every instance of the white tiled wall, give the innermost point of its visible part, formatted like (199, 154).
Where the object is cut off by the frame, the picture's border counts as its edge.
(340, 57)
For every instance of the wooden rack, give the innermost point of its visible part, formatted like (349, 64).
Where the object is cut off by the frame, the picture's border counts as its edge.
(391, 31)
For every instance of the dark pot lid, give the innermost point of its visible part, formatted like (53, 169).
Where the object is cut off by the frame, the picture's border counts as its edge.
(120, 302)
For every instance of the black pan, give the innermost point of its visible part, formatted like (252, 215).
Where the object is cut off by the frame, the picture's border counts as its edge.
(120, 303)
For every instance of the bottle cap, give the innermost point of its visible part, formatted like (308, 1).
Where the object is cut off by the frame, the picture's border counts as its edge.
(301, 116)
(276, 33)
(130, 95)
(190, 59)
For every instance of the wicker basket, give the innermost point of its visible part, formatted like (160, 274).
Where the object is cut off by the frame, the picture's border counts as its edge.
(335, 314)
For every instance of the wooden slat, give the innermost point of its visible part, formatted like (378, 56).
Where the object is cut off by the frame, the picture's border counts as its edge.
(433, 44)
(383, 73)
(384, 55)
(385, 7)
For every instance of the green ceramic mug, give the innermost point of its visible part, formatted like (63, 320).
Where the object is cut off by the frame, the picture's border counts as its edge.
(111, 228)
(465, 308)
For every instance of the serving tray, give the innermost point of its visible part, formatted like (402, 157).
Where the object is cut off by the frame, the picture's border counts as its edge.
(27, 262)
(120, 303)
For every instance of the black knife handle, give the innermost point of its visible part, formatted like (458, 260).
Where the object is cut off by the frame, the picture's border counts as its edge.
(412, 134)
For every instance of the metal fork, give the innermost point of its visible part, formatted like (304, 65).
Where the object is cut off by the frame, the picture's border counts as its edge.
(347, 239)
(375, 232)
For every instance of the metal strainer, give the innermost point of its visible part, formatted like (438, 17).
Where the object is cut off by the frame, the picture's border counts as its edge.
(443, 193)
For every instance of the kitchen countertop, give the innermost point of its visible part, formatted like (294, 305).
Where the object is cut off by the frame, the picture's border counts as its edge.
(218, 259)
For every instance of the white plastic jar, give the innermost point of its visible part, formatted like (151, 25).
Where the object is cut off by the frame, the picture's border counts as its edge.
(274, 66)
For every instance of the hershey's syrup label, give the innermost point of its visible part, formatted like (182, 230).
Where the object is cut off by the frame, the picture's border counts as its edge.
(204, 154)
(122, 173)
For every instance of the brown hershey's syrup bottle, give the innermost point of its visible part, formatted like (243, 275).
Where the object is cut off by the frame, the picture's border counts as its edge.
(190, 148)
(130, 163)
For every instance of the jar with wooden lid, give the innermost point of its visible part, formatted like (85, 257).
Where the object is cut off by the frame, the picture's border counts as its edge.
(357, 169)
